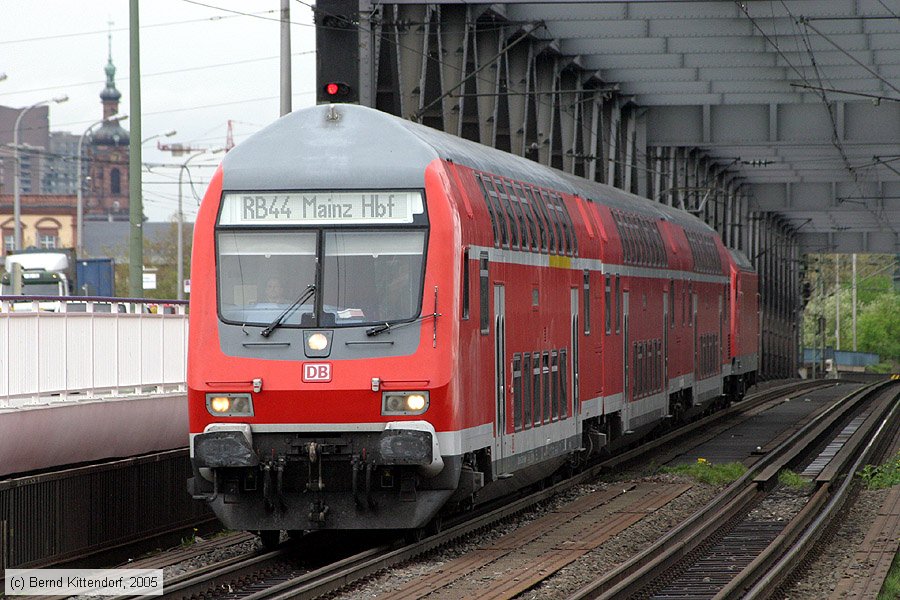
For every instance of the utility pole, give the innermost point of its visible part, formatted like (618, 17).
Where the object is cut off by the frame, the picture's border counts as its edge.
(837, 302)
(136, 208)
(285, 57)
(854, 301)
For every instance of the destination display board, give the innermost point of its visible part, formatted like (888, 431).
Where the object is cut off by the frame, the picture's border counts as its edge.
(320, 208)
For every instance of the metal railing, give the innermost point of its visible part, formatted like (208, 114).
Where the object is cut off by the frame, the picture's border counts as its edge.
(71, 348)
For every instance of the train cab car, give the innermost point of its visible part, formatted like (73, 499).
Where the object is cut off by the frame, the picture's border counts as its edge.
(388, 322)
(744, 325)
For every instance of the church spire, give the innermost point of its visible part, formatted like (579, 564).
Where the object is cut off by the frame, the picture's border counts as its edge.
(110, 95)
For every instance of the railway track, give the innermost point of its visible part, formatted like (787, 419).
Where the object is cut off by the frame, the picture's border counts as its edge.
(278, 574)
(720, 553)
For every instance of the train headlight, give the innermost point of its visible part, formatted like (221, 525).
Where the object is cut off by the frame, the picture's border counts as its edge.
(229, 405)
(317, 344)
(404, 403)
(317, 341)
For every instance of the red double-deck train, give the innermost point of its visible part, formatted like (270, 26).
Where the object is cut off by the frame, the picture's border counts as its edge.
(388, 322)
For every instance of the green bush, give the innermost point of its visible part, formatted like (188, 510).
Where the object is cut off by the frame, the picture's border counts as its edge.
(706, 472)
(882, 476)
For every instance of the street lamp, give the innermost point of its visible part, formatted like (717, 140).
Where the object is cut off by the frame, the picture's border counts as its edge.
(17, 207)
(169, 133)
(79, 218)
(180, 259)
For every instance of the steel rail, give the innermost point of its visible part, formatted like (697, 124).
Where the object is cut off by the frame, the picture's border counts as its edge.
(632, 576)
(809, 526)
(334, 577)
(351, 569)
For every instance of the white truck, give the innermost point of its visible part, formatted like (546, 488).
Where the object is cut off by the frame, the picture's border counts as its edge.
(42, 274)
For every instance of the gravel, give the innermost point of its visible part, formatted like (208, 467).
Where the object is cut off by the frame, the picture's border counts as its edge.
(571, 577)
(835, 556)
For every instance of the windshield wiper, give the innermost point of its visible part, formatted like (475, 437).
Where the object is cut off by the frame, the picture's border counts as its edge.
(373, 331)
(306, 295)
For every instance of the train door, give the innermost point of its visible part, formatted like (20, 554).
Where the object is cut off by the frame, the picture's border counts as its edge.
(572, 373)
(694, 300)
(626, 357)
(500, 368)
(720, 345)
(665, 342)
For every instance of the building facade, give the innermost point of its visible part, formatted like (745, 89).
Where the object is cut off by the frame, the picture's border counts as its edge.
(48, 221)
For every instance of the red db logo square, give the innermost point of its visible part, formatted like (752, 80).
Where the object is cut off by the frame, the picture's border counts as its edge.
(318, 372)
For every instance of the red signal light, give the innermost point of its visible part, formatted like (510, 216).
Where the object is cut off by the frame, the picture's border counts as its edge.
(336, 90)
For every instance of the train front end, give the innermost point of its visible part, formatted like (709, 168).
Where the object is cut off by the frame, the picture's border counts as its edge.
(319, 358)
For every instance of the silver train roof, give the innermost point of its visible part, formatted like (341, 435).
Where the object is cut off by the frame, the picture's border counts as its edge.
(347, 146)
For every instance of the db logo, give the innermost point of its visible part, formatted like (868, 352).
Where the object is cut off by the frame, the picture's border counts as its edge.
(317, 372)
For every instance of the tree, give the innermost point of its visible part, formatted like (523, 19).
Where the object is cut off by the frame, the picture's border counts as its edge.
(874, 293)
(160, 253)
(878, 327)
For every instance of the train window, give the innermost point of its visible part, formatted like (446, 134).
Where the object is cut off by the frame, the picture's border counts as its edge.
(554, 384)
(518, 209)
(660, 246)
(607, 306)
(556, 246)
(568, 228)
(368, 276)
(465, 285)
(563, 385)
(517, 392)
(510, 215)
(540, 213)
(556, 206)
(490, 207)
(692, 306)
(633, 250)
(645, 367)
(527, 397)
(536, 386)
(524, 205)
(545, 381)
(618, 305)
(672, 303)
(641, 240)
(483, 293)
(502, 225)
(637, 370)
(657, 366)
(262, 273)
(587, 302)
(648, 243)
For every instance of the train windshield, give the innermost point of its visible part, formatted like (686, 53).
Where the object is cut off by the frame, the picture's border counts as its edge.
(366, 277)
(372, 277)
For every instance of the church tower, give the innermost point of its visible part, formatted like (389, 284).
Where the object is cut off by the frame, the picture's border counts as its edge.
(107, 192)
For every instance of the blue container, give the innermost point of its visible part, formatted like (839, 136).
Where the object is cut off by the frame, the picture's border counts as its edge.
(95, 277)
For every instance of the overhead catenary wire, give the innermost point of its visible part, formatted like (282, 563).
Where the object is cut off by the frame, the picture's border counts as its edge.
(124, 79)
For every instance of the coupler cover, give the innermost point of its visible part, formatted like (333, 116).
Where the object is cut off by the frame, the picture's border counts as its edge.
(224, 449)
(405, 447)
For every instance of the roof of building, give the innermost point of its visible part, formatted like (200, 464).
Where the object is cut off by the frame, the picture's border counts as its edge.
(32, 203)
(110, 239)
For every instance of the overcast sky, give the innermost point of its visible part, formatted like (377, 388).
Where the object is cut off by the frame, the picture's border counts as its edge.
(201, 65)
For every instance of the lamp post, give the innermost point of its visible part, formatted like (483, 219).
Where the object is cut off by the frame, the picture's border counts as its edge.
(17, 207)
(169, 133)
(79, 215)
(180, 259)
